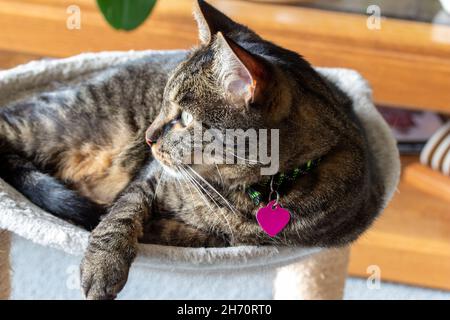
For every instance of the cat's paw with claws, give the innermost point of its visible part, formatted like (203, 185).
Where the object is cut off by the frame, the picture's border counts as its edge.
(103, 273)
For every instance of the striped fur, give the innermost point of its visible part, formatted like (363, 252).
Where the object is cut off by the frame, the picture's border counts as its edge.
(80, 152)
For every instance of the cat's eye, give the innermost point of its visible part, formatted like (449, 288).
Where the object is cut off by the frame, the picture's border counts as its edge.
(186, 118)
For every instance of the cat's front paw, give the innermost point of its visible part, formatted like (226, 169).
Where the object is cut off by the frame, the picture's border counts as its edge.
(103, 273)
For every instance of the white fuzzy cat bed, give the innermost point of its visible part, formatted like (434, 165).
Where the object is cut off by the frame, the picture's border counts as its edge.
(172, 272)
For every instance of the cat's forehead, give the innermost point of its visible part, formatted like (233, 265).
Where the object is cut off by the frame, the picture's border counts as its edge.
(194, 69)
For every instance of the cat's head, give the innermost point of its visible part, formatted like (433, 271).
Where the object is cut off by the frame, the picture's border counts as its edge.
(236, 80)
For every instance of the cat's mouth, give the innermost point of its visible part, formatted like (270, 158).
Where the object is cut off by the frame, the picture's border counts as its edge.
(165, 163)
(161, 157)
(164, 160)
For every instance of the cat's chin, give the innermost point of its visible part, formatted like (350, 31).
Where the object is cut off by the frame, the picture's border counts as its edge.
(169, 171)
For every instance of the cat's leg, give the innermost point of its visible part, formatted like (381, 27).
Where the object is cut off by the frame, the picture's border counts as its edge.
(173, 232)
(48, 193)
(113, 244)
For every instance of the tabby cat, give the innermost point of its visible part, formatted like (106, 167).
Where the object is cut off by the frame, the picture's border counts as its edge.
(82, 152)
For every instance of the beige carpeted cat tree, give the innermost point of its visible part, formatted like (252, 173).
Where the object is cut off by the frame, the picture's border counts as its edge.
(190, 273)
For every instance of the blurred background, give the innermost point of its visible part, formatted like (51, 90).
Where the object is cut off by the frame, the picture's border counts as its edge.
(402, 47)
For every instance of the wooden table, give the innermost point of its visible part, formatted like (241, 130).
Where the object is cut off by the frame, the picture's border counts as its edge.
(410, 243)
(407, 64)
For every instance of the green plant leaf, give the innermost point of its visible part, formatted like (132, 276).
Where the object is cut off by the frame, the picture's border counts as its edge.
(126, 14)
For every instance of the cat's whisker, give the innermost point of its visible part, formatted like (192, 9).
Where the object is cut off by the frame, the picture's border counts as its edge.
(197, 186)
(214, 189)
(182, 182)
(160, 179)
(188, 183)
(203, 190)
(194, 183)
(248, 161)
(178, 179)
(220, 175)
(228, 149)
(222, 197)
(212, 199)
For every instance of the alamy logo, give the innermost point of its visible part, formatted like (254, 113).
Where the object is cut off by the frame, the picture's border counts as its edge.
(73, 21)
(258, 147)
(374, 19)
(374, 280)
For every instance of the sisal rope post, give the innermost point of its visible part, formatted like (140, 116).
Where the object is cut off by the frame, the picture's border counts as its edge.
(319, 277)
(5, 270)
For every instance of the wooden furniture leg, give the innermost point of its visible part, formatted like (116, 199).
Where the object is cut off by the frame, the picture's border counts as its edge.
(5, 274)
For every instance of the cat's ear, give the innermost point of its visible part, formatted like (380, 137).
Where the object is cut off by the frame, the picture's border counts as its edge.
(210, 21)
(244, 75)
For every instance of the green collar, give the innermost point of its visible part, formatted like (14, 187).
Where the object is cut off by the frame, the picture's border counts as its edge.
(261, 191)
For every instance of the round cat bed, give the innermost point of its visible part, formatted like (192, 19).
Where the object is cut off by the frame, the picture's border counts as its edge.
(174, 272)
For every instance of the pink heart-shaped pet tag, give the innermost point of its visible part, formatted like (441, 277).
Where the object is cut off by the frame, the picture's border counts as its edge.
(273, 218)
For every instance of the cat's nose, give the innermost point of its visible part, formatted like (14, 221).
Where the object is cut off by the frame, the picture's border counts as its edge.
(152, 135)
(154, 131)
